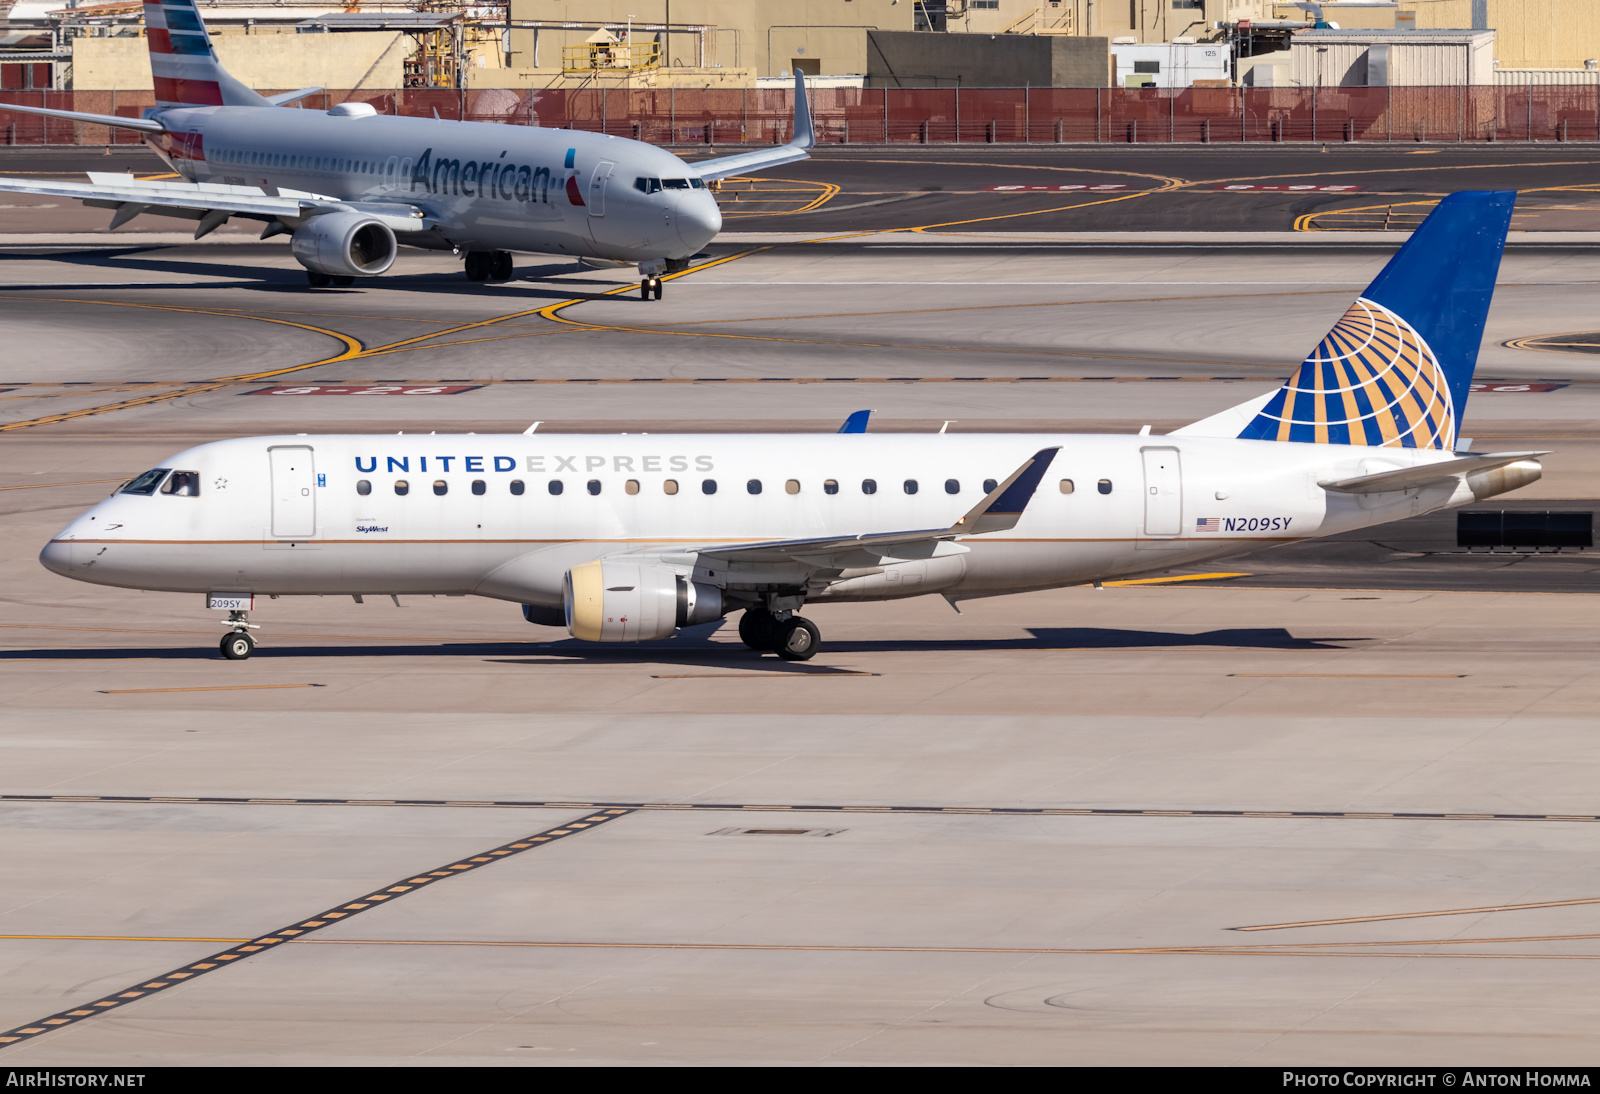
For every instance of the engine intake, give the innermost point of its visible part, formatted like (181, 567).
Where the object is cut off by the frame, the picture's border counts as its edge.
(344, 245)
(625, 602)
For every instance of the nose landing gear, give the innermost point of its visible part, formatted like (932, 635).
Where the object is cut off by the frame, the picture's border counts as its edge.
(650, 285)
(237, 645)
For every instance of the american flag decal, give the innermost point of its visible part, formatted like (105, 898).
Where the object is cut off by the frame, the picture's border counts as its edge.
(1207, 524)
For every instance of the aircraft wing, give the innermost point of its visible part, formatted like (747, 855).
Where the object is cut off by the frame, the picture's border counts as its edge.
(208, 202)
(999, 511)
(1413, 478)
(798, 148)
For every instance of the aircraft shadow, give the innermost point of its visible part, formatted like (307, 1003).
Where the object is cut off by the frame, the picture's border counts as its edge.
(266, 279)
(702, 653)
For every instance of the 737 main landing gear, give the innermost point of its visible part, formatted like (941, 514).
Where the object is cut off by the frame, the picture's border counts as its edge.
(793, 638)
(237, 643)
(489, 266)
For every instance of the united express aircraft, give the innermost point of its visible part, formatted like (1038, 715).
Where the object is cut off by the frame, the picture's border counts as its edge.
(628, 538)
(349, 184)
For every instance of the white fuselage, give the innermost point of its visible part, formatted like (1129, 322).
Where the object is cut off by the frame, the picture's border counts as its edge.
(484, 186)
(321, 514)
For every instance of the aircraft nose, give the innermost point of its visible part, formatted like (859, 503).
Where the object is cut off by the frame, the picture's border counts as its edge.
(699, 220)
(59, 556)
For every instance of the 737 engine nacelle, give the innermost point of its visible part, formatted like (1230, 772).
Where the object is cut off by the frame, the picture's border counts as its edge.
(627, 602)
(344, 245)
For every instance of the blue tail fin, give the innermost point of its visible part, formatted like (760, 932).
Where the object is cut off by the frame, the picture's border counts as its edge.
(1396, 369)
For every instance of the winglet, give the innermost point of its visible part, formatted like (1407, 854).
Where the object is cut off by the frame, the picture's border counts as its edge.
(1003, 506)
(856, 423)
(804, 135)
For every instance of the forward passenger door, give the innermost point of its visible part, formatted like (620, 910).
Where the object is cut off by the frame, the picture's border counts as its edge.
(294, 499)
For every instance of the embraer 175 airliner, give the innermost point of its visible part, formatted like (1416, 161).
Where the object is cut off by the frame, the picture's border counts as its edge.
(347, 185)
(628, 538)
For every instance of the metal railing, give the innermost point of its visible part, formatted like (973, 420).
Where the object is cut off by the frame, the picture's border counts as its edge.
(944, 115)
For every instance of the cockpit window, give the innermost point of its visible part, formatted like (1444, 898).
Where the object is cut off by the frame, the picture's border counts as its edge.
(648, 186)
(147, 482)
(698, 184)
(675, 184)
(183, 484)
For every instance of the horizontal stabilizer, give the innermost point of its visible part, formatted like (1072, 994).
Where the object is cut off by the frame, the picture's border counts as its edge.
(1414, 478)
(1000, 510)
(288, 97)
(143, 125)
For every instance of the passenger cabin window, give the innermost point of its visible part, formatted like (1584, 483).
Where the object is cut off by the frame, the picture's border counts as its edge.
(670, 486)
(1067, 487)
(952, 486)
(911, 486)
(364, 487)
(1104, 486)
(989, 485)
(402, 487)
(183, 484)
(830, 486)
(517, 487)
(792, 486)
(555, 486)
(869, 486)
(708, 486)
(147, 482)
(594, 486)
(479, 487)
(753, 486)
(631, 486)
(440, 487)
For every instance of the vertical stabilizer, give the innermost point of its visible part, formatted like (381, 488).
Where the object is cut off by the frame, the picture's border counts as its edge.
(184, 63)
(1395, 370)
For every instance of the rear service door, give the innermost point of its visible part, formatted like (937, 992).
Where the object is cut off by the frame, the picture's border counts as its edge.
(597, 188)
(294, 499)
(1163, 492)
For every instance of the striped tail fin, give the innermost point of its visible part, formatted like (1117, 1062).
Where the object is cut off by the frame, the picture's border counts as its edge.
(1396, 369)
(183, 62)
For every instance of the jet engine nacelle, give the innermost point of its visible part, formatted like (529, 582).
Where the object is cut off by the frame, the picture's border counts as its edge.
(627, 602)
(344, 245)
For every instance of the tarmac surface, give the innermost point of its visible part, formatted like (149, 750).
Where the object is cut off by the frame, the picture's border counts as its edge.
(1336, 809)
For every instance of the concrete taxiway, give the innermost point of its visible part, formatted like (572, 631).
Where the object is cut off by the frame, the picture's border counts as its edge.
(1315, 816)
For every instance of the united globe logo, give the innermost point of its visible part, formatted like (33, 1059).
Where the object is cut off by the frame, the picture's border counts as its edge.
(1372, 380)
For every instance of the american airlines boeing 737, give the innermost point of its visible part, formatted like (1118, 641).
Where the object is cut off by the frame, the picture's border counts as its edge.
(628, 538)
(349, 184)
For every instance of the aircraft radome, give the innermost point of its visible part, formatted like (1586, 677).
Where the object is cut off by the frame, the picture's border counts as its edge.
(349, 184)
(628, 538)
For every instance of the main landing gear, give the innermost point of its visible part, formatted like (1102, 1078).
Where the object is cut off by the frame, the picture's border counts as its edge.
(237, 644)
(793, 637)
(650, 285)
(319, 280)
(489, 266)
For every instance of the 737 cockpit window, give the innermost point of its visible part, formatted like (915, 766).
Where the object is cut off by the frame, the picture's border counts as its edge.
(183, 484)
(648, 186)
(147, 482)
(675, 184)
